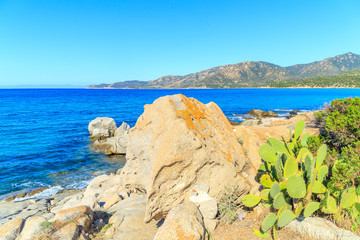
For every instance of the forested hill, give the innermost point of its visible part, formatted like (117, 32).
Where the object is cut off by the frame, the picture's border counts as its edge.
(249, 74)
(343, 80)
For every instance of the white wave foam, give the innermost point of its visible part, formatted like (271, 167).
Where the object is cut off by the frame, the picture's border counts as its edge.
(44, 194)
(54, 190)
(79, 185)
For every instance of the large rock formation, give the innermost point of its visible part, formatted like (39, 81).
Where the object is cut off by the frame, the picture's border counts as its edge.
(176, 144)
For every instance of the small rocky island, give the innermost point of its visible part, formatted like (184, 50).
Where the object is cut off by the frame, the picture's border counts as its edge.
(182, 156)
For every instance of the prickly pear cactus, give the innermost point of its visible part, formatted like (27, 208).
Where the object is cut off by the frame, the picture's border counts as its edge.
(268, 222)
(311, 208)
(296, 187)
(348, 198)
(294, 183)
(250, 200)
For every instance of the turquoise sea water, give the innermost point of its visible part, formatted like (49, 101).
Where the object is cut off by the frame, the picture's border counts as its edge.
(45, 142)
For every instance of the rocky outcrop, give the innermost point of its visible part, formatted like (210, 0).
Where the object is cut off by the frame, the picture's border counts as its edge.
(108, 138)
(256, 113)
(184, 221)
(127, 220)
(207, 205)
(11, 229)
(178, 143)
(32, 228)
(102, 127)
(66, 224)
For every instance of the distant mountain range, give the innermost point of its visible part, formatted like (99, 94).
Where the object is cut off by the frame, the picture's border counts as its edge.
(248, 74)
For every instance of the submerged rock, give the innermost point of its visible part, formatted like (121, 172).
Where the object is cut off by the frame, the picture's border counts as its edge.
(256, 113)
(293, 113)
(178, 143)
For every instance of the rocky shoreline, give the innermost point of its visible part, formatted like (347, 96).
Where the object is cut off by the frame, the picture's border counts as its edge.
(181, 156)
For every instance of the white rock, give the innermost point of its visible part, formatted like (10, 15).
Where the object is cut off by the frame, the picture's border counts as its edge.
(320, 228)
(102, 127)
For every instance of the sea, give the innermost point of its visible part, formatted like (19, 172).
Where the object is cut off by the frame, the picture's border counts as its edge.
(45, 141)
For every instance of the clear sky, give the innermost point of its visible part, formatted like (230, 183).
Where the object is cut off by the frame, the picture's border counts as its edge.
(82, 42)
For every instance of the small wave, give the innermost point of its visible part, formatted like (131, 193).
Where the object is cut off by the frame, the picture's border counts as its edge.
(52, 191)
(79, 185)
(44, 194)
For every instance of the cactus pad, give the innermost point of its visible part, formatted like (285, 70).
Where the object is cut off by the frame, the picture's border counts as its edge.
(277, 145)
(264, 194)
(267, 153)
(311, 208)
(301, 154)
(304, 139)
(299, 128)
(330, 205)
(279, 201)
(348, 198)
(261, 234)
(279, 169)
(275, 189)
(291, 167)
(266, 181)
(268, 222)
(323, 171)
(250, 200)
(321, 154)
(318, 187)
(296, 187)
(285, 217)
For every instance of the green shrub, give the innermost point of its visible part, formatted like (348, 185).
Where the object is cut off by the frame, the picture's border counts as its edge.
(342, 122)
(314, 142)
(346, 169)
(341, 131)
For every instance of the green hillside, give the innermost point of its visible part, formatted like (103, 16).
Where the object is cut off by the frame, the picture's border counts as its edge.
(346, 80)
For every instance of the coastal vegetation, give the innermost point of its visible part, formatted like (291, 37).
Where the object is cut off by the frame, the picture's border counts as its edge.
(312, 175)
(344, 80)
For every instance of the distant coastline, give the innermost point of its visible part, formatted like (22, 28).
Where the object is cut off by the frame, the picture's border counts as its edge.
(342, 71)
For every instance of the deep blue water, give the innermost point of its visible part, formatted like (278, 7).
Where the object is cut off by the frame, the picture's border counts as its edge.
(44, 138)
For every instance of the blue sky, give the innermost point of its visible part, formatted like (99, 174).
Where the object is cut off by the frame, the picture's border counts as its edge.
(103, 41)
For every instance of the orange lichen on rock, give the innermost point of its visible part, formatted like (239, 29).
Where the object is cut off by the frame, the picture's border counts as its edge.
(191, 113)
(228, 155)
